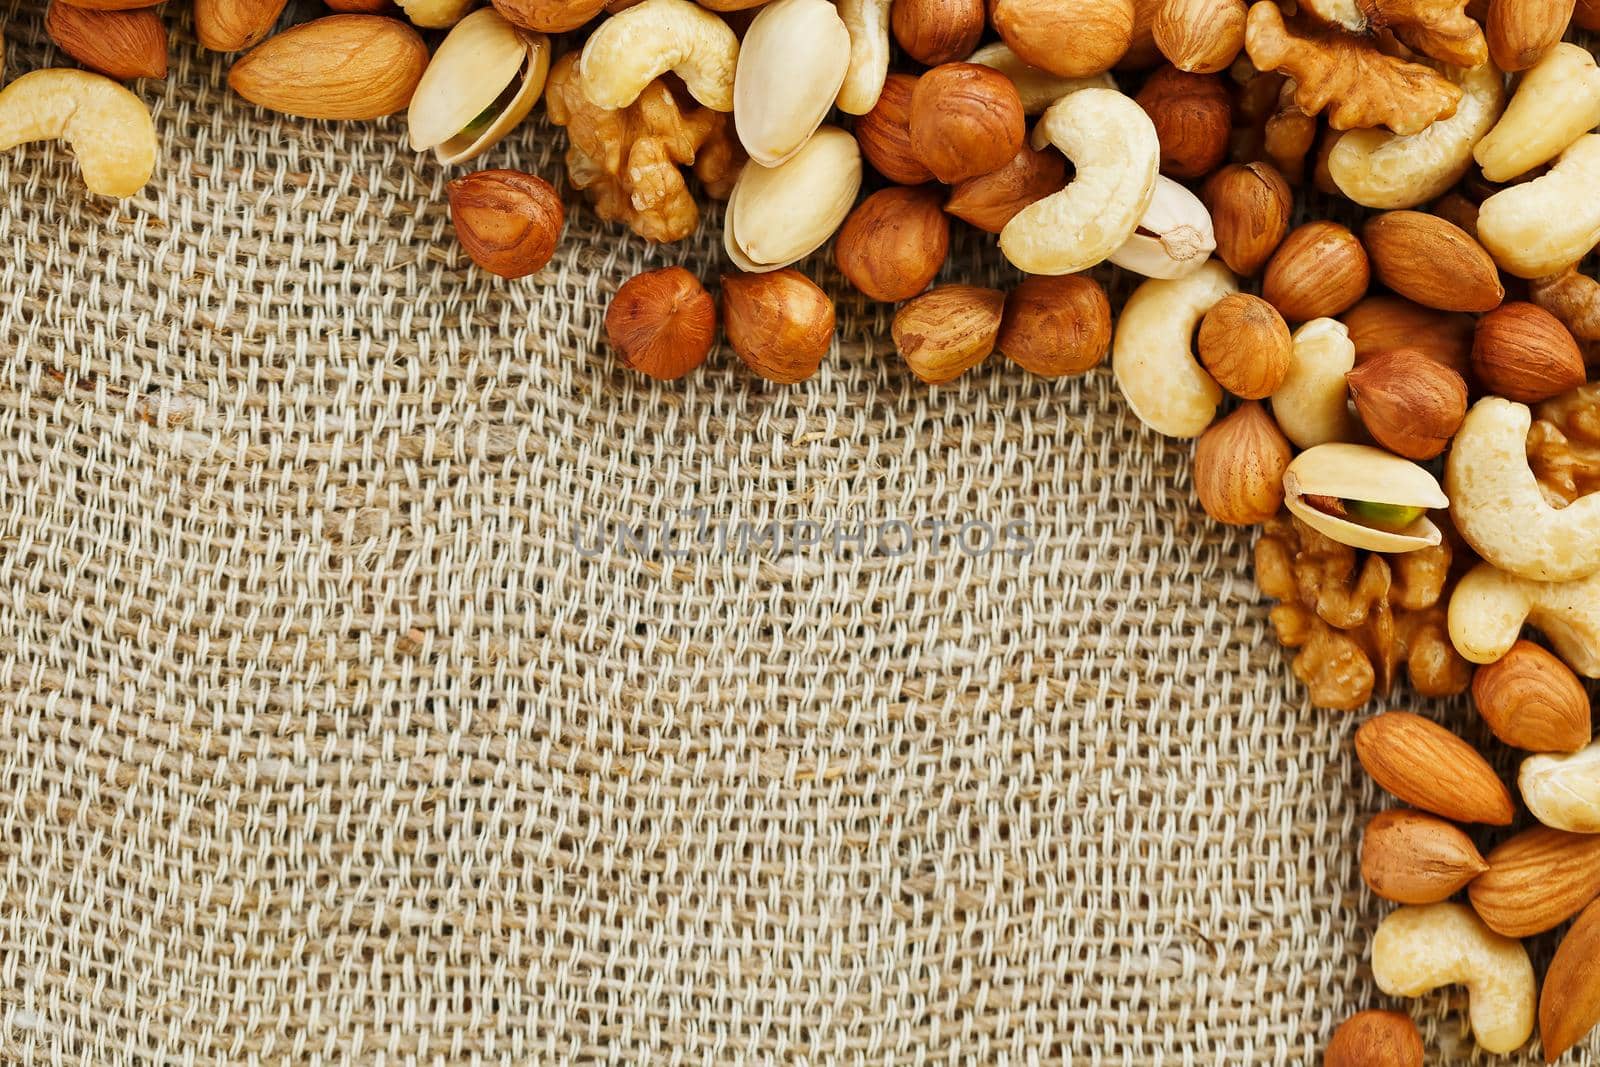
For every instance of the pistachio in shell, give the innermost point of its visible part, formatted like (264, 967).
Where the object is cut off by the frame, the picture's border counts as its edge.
(778, 215)
(1364, 497)
(483, 80)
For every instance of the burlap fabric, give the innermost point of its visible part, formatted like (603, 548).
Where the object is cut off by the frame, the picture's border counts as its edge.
(338, 726)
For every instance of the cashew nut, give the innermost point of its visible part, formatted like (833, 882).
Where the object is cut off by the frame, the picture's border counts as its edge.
(791, 65)
(1555, 103)
(1385, 170)
(1174, 237)
(1112, 142)
(1563, 789)
(634, 47)
(1038, 88)
(1547, 224)
(868, 24)
(107, 126)
(1312, 405)
(1489, 607)
(1151, 354)
(1499, 508)
(1417, 949)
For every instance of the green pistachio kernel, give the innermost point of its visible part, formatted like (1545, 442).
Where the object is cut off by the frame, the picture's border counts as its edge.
(1394, 517)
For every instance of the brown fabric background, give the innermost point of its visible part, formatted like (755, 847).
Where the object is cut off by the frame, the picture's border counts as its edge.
(320, 742)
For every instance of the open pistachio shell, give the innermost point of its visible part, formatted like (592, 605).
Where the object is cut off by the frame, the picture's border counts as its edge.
(777, 215)
(1360, 472)
(476, 62)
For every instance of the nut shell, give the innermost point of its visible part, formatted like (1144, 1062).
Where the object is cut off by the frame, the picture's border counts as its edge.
(780, 323)
(1533, 701)
(894, 242)
(509, 222)
(1245, 345)
(1360, 472)
(1319, 270)
(1056, 324)
(1523, 353)
(662, 323)
(1375, 1039)
(1238, 466)
(1411, 404)
(991, 200)
(1250, 206)
(884, 133)
(946, 331)
(1193, 118)
(965, 120)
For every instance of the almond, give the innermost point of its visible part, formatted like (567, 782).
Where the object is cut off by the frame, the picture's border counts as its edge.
(337, 67)
(1436, 263)
(1533, 701)
(1522, 352)
(1320, 269)
(894, 242)
(119, 44)
(1520, 32)
(989, 201)
(1375, 1039)
(1411, 404)
(1537, 880)
(946, 331)
(1413, 858)
(1431, 768)
(1569, 1006)
(1383, 322)
(234, 25)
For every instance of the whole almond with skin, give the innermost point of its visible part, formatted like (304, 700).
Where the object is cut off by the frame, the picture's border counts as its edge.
(234, 25)
(508, 221)
(965, 120)
(780, 323)
(1433, 262)
(1375, 1039)
(1056, 325)
(1238, 466)
(1569, 1004)
(1381, 323)
(1533, 701)
(1245, 345)
(1250, 205)
(1537, 880)
(1522, 352)
(894, 242)
(119, 44)
(947, 331)
(991, 200)
(937, 31)
(336, 67)
(1200, 36)
(1431, 768)
(1319, 270)
(1193, 117)
(1411, 857)
(884, 134)
(662, 323)
(1411, 404)
(1069, 38)
(1520, 32)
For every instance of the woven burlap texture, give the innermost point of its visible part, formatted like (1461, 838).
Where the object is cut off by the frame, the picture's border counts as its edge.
(336, 729)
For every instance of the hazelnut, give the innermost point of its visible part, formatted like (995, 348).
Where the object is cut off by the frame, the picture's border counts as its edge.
(1411, 404)
(1320, 269)
(662, 323)
(1056, 325)
(1375, 1039)
(1070, 38)
(548, 16)
(1200, 36)
(1522, 352)
(884, 133)
(1250, 205)
(894, 242)
(990, 200)
(1239, 464)
(509, 222)
(966, 120)
(1245, 344)
(1382, 322)
(1193, 117)
(780, 323)
(937, 31)
(947, 330)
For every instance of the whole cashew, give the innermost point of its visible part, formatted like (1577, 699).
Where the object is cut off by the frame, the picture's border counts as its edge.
(1489, 607)
(1563, 789)
(634, 47)
(1380, 169)
(868, 24)
(1151, 354)
(1547, 224)
(1112, 142)
(107, 126)
(1420, 948)
(1556, 102)
(1312, 405)
(1499, 508)
(1038, 88)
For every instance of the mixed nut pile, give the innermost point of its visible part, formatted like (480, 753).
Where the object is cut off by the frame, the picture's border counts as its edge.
(1453, 332)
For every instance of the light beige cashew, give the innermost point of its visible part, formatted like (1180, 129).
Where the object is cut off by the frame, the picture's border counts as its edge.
(1113, 145)
(1489, 608)
(1380, 169)
(1563, 790)
(1174, 238)
(1152, 356)
(1547, 224)
(636, 46)
(867, 22)
(1556, 102)
(1421, 948)
(1038, 88)
(1312, 405)
(791, 65)
(1500, 510)
(109, 129)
